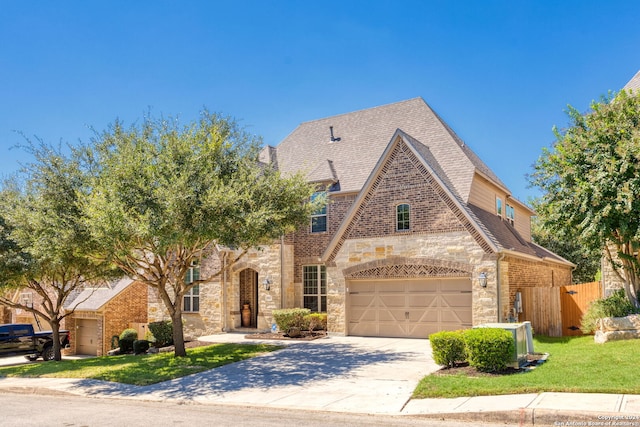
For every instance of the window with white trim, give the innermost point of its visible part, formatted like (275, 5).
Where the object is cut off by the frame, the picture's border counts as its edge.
(511, 213)
(499, 206)
(319, 217)
(402, 217)
(191, 300)
(314, 283)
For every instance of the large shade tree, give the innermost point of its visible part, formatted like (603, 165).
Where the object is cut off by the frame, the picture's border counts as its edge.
(45, 249)
(591, 183)
(164, 195)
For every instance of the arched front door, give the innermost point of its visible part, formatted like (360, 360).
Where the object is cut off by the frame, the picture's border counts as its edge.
(249, 295)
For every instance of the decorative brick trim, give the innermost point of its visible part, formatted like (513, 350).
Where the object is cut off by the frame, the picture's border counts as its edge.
(400, 267)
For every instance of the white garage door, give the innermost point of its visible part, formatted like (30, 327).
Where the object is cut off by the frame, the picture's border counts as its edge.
(87, 337)
(412, 308)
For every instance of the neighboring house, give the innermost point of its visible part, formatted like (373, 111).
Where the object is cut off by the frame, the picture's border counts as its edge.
(610, 280)
(418, 235)
(103, 312)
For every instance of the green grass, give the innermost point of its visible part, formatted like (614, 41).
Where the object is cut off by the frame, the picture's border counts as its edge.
(575, 365)
(142, 369)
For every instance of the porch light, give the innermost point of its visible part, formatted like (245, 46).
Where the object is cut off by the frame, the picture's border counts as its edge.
(482, 278)
(267, 283)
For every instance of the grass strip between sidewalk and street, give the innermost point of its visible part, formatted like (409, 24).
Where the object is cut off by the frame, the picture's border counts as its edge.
(575, 364)
(142, 369)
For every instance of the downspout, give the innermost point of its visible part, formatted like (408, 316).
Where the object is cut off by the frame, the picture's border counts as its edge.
(281, 271)
(498, 286)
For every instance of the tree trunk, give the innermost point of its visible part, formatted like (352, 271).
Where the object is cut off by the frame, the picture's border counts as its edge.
(55, 329)
(178, 334)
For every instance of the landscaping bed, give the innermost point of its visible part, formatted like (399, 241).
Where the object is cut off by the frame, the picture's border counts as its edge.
(304, 336)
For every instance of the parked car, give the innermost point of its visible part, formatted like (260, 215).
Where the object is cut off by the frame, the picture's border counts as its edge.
(18, 338)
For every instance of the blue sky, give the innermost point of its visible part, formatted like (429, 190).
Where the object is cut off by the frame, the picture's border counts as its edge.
(501, 73)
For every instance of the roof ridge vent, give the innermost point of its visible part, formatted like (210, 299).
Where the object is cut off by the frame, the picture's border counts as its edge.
(333, 138)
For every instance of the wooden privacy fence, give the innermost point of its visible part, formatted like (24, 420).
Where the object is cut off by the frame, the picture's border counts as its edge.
(557, 311)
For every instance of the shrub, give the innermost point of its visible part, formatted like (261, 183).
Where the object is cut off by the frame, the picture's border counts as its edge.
(448, 347)
(127, 337)
(489, 349)
(290, 318)
(162, 333)
(315, 322)
(615, 305)
(140, 346)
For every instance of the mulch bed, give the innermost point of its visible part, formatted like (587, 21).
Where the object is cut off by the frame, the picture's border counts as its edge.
(533, 360)
(304, 336)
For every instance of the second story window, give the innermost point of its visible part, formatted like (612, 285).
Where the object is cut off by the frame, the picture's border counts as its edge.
(402, 217)
(499, 206)
(319, 217)
(511, 213)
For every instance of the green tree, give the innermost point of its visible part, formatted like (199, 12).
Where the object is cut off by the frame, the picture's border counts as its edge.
(44, 246)
(587, 261)
(591, 180)
(164, 195)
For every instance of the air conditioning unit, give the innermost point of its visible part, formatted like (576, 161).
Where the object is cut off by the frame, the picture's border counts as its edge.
(522, 339)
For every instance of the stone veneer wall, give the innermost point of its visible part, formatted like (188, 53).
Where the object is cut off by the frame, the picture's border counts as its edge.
(455, 247)
(266, 262)
(610, 279)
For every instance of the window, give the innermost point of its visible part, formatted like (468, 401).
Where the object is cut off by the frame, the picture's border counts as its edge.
(319, 217)
(402, 217)
(511, 213)
(315, 287)
(499, 206)
(191, 300)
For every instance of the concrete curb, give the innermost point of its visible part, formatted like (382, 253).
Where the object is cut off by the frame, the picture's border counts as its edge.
(541, 417)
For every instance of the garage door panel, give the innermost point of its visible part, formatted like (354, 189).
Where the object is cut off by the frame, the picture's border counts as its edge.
(422, 287)
(455, 285)
(390, 287)
(363, 315)
(391, 301)
(409, 307)
(422, 301)
(391, 315)
(360, 300)
(457, 316)
(460, 300)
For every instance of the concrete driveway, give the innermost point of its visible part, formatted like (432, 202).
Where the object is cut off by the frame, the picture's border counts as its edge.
(366, 375)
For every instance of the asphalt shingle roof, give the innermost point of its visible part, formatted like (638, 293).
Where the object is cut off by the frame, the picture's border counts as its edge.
(364, 135)
(92, 299)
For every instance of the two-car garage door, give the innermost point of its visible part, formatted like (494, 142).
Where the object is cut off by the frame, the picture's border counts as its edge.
(412, 308)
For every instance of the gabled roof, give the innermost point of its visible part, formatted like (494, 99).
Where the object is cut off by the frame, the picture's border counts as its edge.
(432, 166)
(364, 135)
(634, 83)
(492, 233)
(93, 299)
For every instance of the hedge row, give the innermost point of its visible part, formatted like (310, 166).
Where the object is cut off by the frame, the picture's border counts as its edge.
(486, 349)
(299, 318)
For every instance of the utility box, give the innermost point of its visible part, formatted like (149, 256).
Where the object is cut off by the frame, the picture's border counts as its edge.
(519, 332)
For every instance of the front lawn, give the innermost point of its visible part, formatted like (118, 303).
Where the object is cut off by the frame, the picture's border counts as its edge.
(575, 365)
(143, 369)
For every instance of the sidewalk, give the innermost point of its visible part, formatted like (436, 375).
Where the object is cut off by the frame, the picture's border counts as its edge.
(349, 374)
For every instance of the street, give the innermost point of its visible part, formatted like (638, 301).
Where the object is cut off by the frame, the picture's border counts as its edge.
(30, 410)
